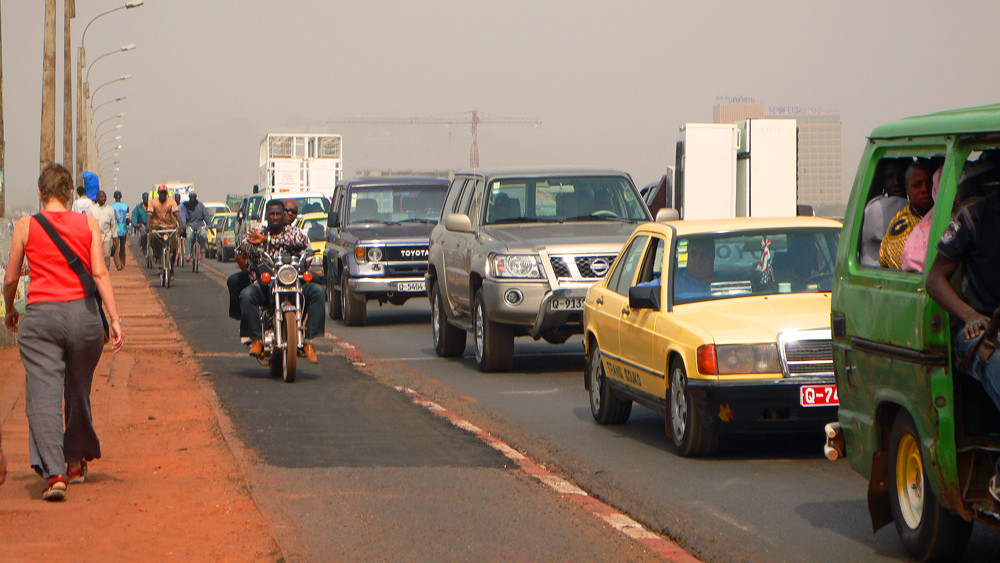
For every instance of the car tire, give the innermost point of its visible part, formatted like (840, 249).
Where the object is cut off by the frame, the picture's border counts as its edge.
(449, 341)
(927, 529)
(494, 341)
(606, 407)
(690, 435)
(353, 305)
(333, 298)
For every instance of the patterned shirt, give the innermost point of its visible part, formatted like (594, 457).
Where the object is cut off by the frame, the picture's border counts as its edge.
(890, 255)
(290, 239)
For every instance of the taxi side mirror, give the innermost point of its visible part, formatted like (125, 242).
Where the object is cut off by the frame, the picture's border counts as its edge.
(644, 297)
(667, 214)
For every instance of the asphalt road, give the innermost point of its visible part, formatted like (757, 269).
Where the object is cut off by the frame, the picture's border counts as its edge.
(345, 467)
(772, 498)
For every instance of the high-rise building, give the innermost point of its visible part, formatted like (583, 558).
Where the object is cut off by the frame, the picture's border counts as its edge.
(820, 170)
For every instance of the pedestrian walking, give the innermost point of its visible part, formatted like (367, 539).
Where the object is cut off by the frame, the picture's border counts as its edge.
(140, 221)
(62, 333)
(105, 216)
(82, 203)
(121, 220)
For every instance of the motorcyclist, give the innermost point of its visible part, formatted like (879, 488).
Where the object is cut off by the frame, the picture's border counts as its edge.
(163, 215)
(195, 219)
(274, 237)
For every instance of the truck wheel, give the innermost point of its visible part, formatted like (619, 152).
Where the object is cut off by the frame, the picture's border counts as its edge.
(336, 312)
(494, 341)
(353, 306)
(448, 340)
(926, 528)
(606, 407)
(690, 435)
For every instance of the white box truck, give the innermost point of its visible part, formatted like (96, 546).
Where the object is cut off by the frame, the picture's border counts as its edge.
(747, 169)
(300, 162)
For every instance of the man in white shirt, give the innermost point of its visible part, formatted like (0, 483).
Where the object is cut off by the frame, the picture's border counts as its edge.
(105, 215)
(82, 203)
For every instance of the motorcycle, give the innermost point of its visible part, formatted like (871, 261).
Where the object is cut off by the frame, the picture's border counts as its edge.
(281, 277)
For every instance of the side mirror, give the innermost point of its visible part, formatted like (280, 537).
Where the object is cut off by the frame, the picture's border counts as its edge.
(239, 215)
(333, 219)
(644, 297)
(458, 222)
(667, 214)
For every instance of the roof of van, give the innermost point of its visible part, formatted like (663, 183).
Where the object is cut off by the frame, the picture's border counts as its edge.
(981, 119)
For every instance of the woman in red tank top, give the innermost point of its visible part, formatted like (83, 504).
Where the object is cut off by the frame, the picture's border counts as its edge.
(61, 336)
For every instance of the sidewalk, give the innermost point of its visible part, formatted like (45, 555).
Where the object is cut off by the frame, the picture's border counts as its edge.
(166, 487)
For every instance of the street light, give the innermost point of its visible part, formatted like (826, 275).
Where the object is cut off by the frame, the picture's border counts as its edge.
(90, 113)
(120, 99)
(90, 67)
(82, 137)
(115, 140)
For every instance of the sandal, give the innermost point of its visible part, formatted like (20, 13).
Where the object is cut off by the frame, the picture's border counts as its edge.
(77, 472)
(56, 489)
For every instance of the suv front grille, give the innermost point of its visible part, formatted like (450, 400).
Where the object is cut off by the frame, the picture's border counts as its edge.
(807, 353)
(581, 267)
(412, 253)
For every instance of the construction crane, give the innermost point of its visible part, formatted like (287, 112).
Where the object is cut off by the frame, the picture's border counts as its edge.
(472, 118)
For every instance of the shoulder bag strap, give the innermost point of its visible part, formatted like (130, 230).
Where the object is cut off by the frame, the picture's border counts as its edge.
(89, 286)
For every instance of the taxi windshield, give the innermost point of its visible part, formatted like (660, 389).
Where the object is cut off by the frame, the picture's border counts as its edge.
(725, 265)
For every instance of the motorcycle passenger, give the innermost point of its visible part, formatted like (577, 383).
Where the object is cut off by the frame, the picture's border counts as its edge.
(276, 236)
(196, 219)
(163, 215)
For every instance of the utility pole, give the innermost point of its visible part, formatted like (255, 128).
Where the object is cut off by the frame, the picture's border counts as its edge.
(48, 136)
(70, 13)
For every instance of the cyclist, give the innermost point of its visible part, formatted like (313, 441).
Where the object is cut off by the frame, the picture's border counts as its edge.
(195, 218)
(163, 215)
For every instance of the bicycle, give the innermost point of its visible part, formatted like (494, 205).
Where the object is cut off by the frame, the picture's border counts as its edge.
(197, 233)
(166, 262)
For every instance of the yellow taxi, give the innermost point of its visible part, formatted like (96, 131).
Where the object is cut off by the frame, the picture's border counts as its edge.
(314, 225)
(213, 232)
(723, 326)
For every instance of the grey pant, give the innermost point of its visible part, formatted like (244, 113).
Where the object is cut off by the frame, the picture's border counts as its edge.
(60, 345)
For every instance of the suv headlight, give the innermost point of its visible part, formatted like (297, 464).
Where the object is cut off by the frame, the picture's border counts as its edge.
(516, 266)
(367, 254)
(737, 359)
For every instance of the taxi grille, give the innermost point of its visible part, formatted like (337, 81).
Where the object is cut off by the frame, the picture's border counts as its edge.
(564, 266)
(809, 356)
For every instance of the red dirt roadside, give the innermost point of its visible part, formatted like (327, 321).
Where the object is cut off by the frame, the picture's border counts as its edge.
(167, 486)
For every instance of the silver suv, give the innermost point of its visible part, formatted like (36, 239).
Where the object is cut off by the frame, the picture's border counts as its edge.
(515, 252)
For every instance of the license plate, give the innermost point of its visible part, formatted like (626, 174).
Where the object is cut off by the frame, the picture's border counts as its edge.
(410, 286)
(568, 303)
(818, 396)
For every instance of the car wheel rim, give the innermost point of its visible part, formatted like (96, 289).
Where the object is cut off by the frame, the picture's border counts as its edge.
(480, 333)
(678, 405)
(910, 481)
(436, 320)
(595, 383)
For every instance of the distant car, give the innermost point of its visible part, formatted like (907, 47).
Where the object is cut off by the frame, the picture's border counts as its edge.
(723, 326)
(225, 239)
(214, 207)
(376, 242)
(516, 252)
(314, 225)
(213, 231)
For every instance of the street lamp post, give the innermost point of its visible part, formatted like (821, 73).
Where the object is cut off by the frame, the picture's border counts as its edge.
(95, 141)
(82, 135)
(90, 111)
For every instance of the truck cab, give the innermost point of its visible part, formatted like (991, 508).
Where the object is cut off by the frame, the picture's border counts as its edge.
(911, 419)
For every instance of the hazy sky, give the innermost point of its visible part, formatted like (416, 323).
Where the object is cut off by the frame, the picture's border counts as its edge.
(611, 82)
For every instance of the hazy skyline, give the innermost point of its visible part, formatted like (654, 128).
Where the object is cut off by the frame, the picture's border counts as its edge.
(610, 82)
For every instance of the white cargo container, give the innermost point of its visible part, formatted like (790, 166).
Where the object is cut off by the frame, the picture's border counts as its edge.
(300, 162)
(727, 170)
(766, 168)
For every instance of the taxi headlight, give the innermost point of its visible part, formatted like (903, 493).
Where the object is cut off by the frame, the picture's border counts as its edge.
(287, 275)
(516, 266)
(738, 359)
